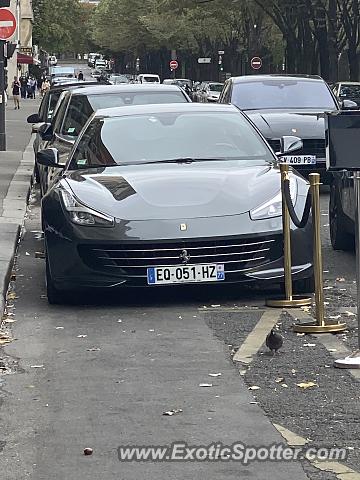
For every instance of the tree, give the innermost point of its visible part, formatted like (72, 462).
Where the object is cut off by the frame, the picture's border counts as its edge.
(56, 25)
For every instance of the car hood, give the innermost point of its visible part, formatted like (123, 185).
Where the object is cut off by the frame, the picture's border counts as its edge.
(277, 123)
(175, 191)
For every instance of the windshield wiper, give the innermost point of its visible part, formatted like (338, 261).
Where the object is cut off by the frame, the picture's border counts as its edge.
(191, 160)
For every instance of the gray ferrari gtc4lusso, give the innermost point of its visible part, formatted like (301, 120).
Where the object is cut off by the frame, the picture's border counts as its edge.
(169, 194)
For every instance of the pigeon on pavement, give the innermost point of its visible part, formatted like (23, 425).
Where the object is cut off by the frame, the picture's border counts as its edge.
(274, 341)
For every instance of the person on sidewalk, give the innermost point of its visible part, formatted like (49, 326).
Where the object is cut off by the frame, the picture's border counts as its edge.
(45, 87)
(81, 76)
(16, 86)
(33, 84)
(23, 83)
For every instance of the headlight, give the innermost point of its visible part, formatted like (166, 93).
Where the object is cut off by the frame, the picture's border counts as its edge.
(273, 207)
(81, 214)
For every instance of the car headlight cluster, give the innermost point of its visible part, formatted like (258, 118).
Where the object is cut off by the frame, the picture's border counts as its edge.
(273, 208)
(80, 214)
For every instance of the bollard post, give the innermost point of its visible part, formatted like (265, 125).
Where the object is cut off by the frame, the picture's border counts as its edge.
(320, 326)
(290, 301)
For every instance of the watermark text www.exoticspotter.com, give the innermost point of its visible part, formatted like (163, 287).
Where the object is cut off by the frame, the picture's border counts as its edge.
(217, 452)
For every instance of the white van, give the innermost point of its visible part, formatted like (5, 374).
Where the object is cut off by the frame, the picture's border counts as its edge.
(148, 78)
(100, 64)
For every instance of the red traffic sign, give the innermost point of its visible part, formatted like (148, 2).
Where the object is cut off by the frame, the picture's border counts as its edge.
(256, 63)
(173, 65)
(7, 24)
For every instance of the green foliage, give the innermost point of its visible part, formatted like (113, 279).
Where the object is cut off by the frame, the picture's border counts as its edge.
(58, 25)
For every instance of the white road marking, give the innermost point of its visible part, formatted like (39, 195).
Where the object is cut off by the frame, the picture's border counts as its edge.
(257, 337)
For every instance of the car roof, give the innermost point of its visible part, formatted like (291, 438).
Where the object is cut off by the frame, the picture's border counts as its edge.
(261, 78)
(128, 88)
(72, 86)
(124, 111)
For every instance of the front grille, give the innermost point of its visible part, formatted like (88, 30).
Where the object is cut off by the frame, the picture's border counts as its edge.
(131, 260)
(311, 146)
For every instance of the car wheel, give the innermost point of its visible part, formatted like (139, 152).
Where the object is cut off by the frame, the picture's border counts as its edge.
(55, 297)
(306, 285)
(340, 238)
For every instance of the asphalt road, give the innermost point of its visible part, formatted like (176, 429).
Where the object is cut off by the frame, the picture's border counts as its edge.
(102, 374)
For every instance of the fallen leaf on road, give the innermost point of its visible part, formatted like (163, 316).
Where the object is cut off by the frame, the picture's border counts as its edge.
(305, 385)
(9, 320)
(328, 288)
(81, 336)
(59, 328)
(254, 387)
(335, 317)
(242, 372)
(350, 314)
(170, 413)
(293, 371)
(119, 321)
(300, 334)
(284, 385)
(279, 380)
(332, 350)
(95, 349)
(214, 374)
(12, 296)
(340, 279)
(205, 384)
(309, 345)
(88, 451)
(27, 254)
(36, 366)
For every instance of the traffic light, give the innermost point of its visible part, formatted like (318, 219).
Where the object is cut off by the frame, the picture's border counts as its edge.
(4, 3)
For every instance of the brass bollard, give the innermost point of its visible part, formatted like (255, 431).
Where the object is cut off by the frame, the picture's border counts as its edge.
(320, 326)
(290, 300)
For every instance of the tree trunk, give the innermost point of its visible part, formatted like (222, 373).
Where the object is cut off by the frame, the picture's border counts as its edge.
(353, 63)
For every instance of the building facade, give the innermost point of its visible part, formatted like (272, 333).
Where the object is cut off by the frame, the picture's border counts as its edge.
(22, 9)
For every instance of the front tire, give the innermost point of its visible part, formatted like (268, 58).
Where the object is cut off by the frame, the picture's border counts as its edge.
(341, 239)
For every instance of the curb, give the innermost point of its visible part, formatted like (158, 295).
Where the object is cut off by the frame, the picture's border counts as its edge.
(12, 220)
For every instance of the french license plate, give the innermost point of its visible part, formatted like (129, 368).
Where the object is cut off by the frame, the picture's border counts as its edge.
(186, 274)
(299, 159)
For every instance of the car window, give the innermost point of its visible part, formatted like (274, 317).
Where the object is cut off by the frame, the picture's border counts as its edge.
(77, 115)
(350, 91)
(52, 101)
(282, 94)
(225, 96)
(43, 109)
(165, 136)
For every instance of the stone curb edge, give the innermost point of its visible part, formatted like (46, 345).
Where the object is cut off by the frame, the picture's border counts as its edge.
(14, 210)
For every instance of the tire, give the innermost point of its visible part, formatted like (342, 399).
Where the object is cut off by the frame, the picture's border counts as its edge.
(306, 285)
(341, 239)
(55, 297)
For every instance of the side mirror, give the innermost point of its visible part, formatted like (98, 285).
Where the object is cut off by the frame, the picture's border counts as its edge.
(34, 118)
(46, 131)
(289, 144)
(349, 105)
(35, 127)
(49, 158)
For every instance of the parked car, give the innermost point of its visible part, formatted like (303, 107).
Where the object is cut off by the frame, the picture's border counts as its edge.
(117, 79)
(287, 105)
(91, 59)
(158, 195)
(100, 64)
(148, 78)
(210, 92)
(76, 106)
(67, 71)
(46, 112)
(347, 91)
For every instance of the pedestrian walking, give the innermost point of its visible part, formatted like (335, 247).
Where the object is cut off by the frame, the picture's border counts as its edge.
(33, 84)
(23, 83)
(45, 86)
(81, 76)
(16, 86)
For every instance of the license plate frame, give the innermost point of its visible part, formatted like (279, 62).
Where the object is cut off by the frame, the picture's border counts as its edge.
(176, 274)
(299, 159)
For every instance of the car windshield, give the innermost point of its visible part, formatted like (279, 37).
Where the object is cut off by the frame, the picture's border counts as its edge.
(150, 79)
(134, 98)
(282, 94)
(162, 137)
(216, 87)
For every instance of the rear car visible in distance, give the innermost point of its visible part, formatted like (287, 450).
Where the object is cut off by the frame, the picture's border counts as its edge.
(286, 105)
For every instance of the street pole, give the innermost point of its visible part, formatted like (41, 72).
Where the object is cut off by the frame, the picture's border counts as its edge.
(2, 97)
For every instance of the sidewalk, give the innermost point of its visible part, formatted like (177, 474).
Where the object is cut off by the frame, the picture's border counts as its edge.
(16, 168)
